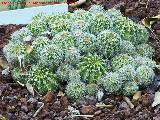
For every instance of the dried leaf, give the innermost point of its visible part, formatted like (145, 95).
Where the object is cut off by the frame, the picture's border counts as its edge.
(156, 99)
(137, 95)
(22, 65)
(148, 21)
(102, 105)
(30, 88)
(29, 49)
(39, 109)
(128, 101)
(5, 71)
(4, 63)
(2, 117)
(60, 94)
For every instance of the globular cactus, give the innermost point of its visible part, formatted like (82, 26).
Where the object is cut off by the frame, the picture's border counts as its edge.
(81, 14)
(145, 61)
(43, 79)
(113, 14)
(98, 22)
(144, 75)
(72, 56)
(59, 25)
(20, 35)
(130, 88)
(145, 50)
(91, 67)
(87, 43)
(38, 44)
(64, 40)
(126, 47)
(109, 43)
(63, 72)
(79, 25)
(18, 76)
(51, 55)
(96, 8)
(12, 51)
(112, 83)
(92, 89)
(16, 4)
(74, 75)
(120, 60)
(127, 73)
(75, 90)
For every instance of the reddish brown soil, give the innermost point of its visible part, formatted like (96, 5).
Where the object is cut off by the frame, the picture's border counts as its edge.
(16, 103)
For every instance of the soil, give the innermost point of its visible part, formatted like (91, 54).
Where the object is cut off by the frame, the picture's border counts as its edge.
(16, 103)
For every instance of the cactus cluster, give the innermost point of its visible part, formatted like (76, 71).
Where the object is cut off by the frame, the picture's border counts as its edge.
(87, 51)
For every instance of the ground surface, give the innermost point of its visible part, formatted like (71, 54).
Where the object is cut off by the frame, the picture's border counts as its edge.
(17, 104)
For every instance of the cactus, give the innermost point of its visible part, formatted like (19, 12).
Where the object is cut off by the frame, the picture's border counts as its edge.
(91, 67)
(144, 75)
(43, 79)
(98, 22)
(112, 83)
(92, 89)
(75, 90)
(63, 72)
(20, 35)
(130, 88)
(18, 76)
(72, 56)
(126, 47)
(81, 14)
(74, 75)
(109, 43)
(127, 73)
(79, 25)
(145, 50)
(87, 43)
(113, 14)
(121, 60)
(16, 4)
(51, 55)
(96, 8)
(64, 40)
(145, 61)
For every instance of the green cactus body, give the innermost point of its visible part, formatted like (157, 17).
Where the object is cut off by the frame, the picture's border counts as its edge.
(92, 89)
(127, 73)
(121, 60)
(74, 75)
(130, 88)
(64, 40)
(126, 47)
(112, 83)
(79, 25)
(113, 13)
(81, 14)
(96, 8)
(145, 50)
(91, 67)
(72, 56)
(75, 90)
(38, 44)
(51, 55)
(16, 4)
(98, 22)
(144, 75)
(59, 25)
(18, 76)
(125, 27)
(109, 43)
(87, 43)
(43, 79)
(63, 72)
(20, 35)
(145, 61)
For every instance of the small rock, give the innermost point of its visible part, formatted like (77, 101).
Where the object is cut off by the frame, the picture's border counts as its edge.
(64, 102)
(24, 108)
(147, 99)
(57, 106)
(88, 110)
(98, 112)
(124, 106)
(63, 114)
(85, 101)
(49, 97)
